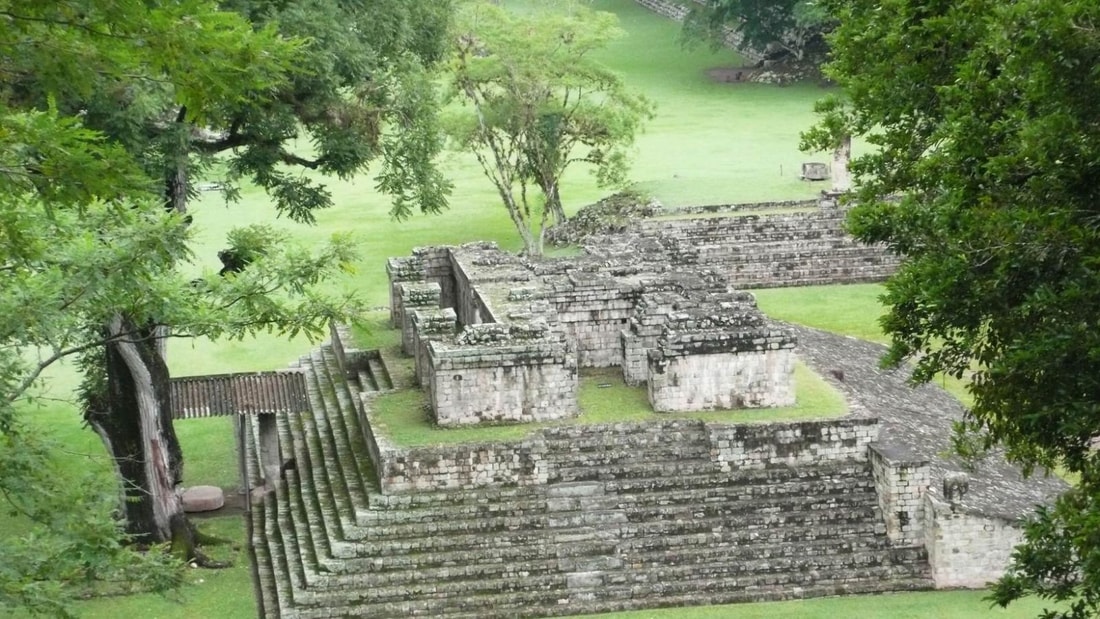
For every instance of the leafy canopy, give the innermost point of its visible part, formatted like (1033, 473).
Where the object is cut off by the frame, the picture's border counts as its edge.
(533, 101)
(86, 236)
(795, 26)
(985, 132)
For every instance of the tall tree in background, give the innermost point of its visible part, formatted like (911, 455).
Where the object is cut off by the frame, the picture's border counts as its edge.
(984, 124)
(797, 27)
(534, 102)
(245, 87)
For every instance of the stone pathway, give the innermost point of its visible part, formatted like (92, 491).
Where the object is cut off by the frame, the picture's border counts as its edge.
(916, 424)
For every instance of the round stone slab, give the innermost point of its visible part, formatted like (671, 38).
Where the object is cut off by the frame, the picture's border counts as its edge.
(203, 499)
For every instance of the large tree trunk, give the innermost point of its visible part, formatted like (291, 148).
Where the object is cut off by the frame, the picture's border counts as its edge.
(136, 426)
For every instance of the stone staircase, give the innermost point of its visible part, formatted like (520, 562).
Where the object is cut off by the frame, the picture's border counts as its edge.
(638, 524)
(762, 250)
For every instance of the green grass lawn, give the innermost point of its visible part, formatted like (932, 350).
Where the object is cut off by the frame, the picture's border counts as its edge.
(710, 143)
(921, 605)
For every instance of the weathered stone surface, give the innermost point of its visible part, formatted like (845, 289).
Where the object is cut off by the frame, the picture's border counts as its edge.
(203, 499)
(583, 519)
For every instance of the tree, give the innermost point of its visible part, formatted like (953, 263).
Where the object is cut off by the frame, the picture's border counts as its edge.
(72, 229)
(535, 101)
(797, 27)
(214, 84)
(985, 134)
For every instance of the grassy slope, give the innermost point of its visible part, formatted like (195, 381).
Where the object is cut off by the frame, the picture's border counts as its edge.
(711, 143)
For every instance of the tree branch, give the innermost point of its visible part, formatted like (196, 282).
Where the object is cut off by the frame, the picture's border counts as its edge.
(292, 159)
(68, 24)
(59, 354)
(233, 139)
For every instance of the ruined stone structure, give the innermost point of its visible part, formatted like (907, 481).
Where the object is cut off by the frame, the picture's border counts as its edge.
(589, 518)
(506, 343)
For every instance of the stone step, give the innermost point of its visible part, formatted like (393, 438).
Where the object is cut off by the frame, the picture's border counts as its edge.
(588, 496)
(440, 536)
(600, 549)
(317, 525)
(282, 568)
(319, 492)
(537, 602)
(333, 427)
(767, 556)
(366, 381)
(306, 510)
(266, 572)
(352, 414)
(600, 600)
(333, 465)
(343, 593)
(519, 561)
(380, 374)
(593, 600)
(787, 526)
(641, 469)
(746, 477)
(495, 496)
(799, 569)
(762, 575)
(713, 516)
(762, 513)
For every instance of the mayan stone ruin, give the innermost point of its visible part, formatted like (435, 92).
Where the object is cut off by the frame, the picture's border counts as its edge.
(526, 327)
(578, 518)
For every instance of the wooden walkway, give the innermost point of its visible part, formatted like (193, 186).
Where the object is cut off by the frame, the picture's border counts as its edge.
(253, 393)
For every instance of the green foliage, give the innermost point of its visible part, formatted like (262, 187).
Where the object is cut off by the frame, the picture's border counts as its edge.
(69, 546)
(530, 100)
(797, 26)
(984, 121)
(109, 109)
(362, 90)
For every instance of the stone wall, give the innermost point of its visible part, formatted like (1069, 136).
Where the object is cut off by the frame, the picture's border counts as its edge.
(721, 355)
(717, 381)
(475, 266)
(773, 250)
(966, 550)
(748, 207)
(562, 454)
(426, 264)
(645, 328)
(592, 309)
(414, 296)
(439, 324)
(901, 483)
(790, 444)
(502, 373)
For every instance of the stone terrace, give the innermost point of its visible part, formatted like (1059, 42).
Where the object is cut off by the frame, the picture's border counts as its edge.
(578, 519)
(622, 516)
(609, 517)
